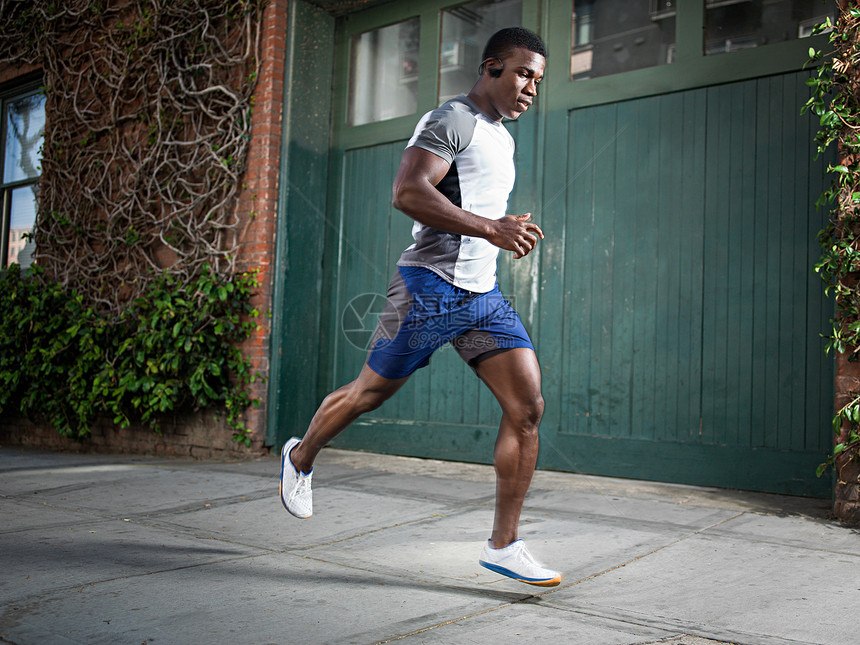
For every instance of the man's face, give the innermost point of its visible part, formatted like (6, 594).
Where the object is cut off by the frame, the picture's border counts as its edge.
(513, 91)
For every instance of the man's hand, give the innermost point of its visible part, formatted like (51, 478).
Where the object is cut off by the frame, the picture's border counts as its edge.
(515, 233)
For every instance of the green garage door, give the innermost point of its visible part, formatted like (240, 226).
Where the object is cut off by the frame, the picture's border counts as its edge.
(673, 303)
(678, 320)
(680, 315)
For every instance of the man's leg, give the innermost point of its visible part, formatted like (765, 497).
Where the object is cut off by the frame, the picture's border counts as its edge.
(339, 409)
(514, 379)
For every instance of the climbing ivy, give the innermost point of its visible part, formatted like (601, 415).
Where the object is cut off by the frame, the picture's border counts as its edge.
(835, 100)
(173, 348)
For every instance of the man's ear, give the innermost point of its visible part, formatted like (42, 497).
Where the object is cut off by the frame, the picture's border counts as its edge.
(495, 72)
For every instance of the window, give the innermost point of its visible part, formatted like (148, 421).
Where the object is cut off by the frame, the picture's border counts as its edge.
(612, 36)
(465, 31)
(732, 25)
(21, 136)
(384, 73)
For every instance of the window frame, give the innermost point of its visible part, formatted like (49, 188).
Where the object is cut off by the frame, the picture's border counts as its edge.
(351, 80)
(429, 12)
(12, 92)
(691, 67)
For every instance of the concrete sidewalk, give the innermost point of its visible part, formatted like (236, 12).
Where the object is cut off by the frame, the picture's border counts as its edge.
(116, 549)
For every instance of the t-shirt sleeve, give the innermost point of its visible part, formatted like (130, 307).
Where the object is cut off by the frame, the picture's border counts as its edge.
(445, 133)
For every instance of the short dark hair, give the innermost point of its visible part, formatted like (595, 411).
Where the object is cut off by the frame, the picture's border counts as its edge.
(503, 41)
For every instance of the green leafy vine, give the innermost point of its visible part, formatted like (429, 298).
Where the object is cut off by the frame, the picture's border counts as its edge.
(173, 348)
(835, 100)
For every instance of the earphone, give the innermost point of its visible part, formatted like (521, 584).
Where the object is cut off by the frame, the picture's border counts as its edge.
(495, 72)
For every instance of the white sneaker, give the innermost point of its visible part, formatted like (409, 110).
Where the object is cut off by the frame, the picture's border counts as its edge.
(516, 562)
(295, 487)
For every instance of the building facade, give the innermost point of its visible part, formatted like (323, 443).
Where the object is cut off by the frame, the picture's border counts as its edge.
(673, 303)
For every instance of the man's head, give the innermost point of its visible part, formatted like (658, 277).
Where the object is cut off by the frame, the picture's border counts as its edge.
(512, 66)
(504, 41)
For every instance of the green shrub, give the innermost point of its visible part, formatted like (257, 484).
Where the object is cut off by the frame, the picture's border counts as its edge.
(174, 348)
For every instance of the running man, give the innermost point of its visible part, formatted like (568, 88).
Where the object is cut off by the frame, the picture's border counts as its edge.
(454, 180)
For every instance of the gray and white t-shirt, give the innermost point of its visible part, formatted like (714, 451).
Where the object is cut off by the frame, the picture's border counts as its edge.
(480, 180)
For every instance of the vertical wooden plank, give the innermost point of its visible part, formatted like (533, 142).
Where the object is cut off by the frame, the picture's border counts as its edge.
(800, 266)
(341, 286)
(331, 279)
(758, 232)
(819, 366)
(618, 396)
(672, 211)
(355, 239)
(735, 303)
(692, 304)
(781, 423)
(773, 153)
(739, 299)
(645, 269)
(715, 260)
(608, 129)
(552, 271)
(743, 243)
(783, 238)
(579, 296)
(763, 404)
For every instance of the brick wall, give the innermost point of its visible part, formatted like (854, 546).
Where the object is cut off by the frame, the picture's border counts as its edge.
(202, 434)
(258, 202)
(846, 497)
(13, 72)
(199, 435)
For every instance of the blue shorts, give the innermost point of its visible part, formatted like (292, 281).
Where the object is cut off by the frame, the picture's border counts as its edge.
(424, 312)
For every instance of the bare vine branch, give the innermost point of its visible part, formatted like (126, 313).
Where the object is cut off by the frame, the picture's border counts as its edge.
(148, 108)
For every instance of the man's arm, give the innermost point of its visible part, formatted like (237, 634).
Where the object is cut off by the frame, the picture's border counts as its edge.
(415, 194)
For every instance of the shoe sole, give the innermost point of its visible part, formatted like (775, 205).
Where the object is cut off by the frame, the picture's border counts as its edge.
(284, 456)
(538, 582)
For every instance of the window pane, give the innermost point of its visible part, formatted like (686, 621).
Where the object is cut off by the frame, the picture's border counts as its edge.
(465, 31)
(25, 127)
(612, 36)
(740, 24)
(23, 217)
(384, 74)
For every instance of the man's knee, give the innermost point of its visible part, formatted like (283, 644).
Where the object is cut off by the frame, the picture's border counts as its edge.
(527, 413)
